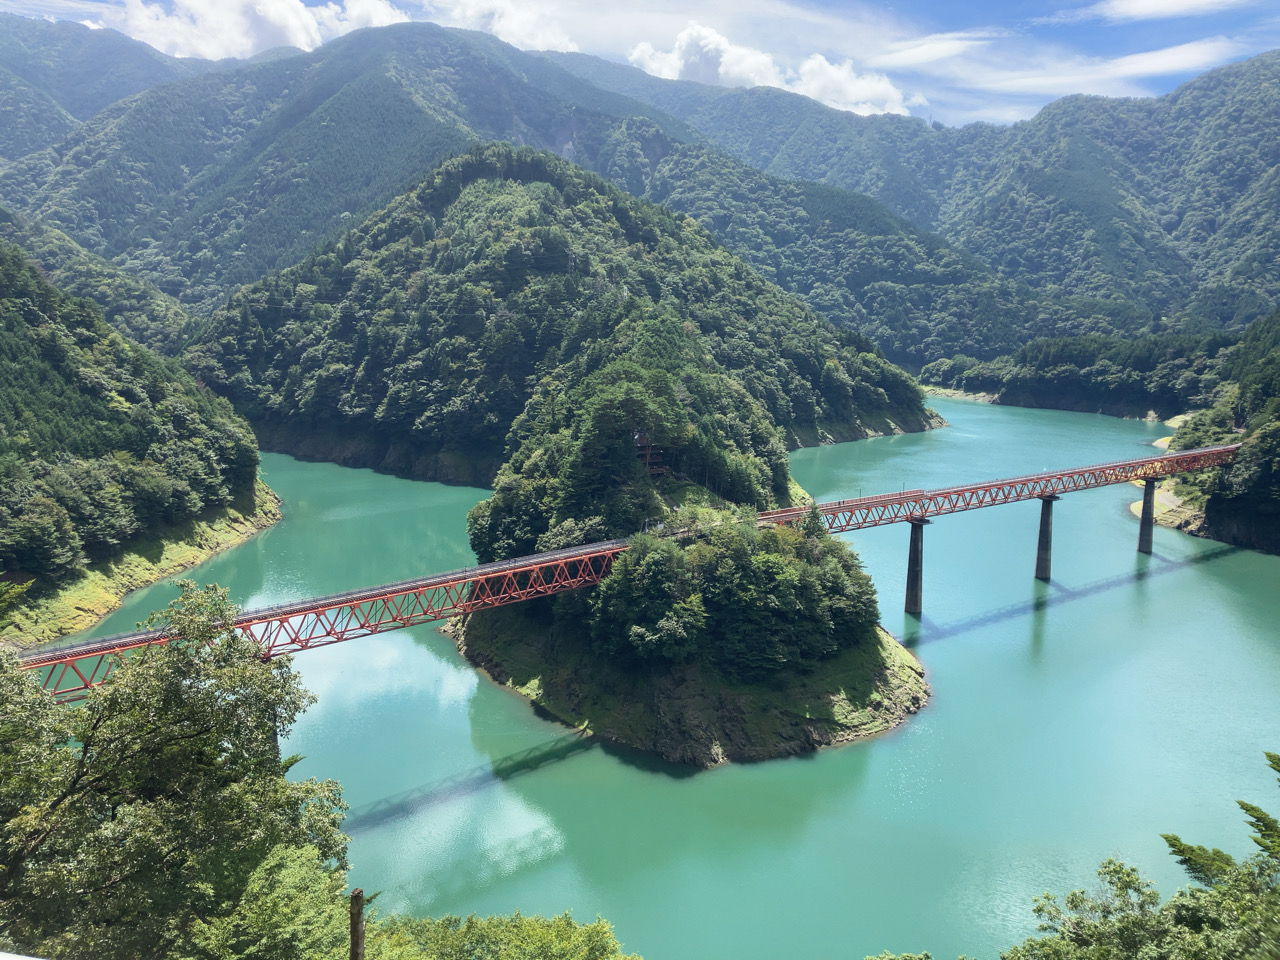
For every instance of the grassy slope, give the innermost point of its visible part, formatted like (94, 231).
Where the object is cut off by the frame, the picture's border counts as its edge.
(84, 601)
(692, 714)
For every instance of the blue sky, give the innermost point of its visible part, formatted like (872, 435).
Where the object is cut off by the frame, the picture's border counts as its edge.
(999, 61)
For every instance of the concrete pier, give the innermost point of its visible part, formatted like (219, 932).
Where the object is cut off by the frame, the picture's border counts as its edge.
(915, 566)
(1044, 549)
(1148, 516)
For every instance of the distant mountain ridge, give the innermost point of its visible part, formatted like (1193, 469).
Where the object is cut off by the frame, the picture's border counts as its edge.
(1171, 200)
(256, 164)
(80, 70)
(1114, 217)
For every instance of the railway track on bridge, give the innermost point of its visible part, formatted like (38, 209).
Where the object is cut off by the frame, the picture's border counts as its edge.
(71, 670)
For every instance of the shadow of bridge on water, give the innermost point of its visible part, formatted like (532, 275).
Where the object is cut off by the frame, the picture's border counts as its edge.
(467, 782)
(925, 630)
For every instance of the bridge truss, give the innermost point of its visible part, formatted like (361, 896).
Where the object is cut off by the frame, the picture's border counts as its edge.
(70, 671)
(843, 515)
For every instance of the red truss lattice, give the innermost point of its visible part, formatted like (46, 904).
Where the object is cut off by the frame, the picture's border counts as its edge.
(70, 671)
(874, 511)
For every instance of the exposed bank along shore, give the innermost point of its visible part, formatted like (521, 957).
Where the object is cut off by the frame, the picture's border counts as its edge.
(95, 593)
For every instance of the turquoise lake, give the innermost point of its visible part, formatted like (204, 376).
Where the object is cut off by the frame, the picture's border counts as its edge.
(1070, 721)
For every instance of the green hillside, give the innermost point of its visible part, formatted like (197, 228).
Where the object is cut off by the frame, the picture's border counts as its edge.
(1168, 201)
(85, 70)
(254, 166)
(101, 441)
(852, 260)
(135, 307)
(515, 306)
(30, 119)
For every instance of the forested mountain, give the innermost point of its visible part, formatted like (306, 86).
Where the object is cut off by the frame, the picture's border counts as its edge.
(1170, 201)
(515, 306)
(1166, 374)
(135, 307)
(852, 260)
(1098, 217)
(1242, 502)
(259, 163)
(100, 439)
(54, 74)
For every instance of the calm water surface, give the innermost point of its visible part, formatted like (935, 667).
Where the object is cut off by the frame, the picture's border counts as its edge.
(1070, 721)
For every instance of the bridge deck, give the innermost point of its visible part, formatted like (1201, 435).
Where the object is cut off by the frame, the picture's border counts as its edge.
(69, 671)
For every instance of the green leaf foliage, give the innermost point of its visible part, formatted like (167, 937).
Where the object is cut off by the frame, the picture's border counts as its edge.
(751, 602)
(100, 440)
(516, 306)
(515, 937)
(137, 824)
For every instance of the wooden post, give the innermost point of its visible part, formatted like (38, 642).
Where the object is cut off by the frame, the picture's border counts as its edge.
(357, 924)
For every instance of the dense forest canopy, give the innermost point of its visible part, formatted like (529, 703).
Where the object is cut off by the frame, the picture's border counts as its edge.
(514, 305)
(1168, 202)
(135, 307)
(1097, 217)
(100, 439)
(1167, 374)
(918, 297)
(751, 602)
(260, 163)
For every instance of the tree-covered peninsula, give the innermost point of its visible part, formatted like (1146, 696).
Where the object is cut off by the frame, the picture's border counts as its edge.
(720, 642)
(103, 444)
(514, 295)
(520, 317)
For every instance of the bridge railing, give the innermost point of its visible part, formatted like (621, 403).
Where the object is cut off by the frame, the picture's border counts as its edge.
(300, 625)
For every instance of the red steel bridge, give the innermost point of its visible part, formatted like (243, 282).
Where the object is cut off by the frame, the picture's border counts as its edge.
(70, 671)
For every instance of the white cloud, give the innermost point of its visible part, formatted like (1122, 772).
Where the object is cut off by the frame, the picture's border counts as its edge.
(241, 28)
(1055, 74)
(917, 51)
(521, 23)
(1122, 11)
(706, 56)
(842, 87)
(703, 54)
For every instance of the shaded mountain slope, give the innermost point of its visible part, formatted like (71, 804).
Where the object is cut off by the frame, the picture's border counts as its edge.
(135, 307)
(206, 184)
(851, 259)
(1170, 200)
(100, 440)
(461, 325)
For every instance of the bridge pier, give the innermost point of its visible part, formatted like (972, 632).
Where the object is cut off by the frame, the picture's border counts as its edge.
(915, 566)
(1148, 517)
(1044, 549)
